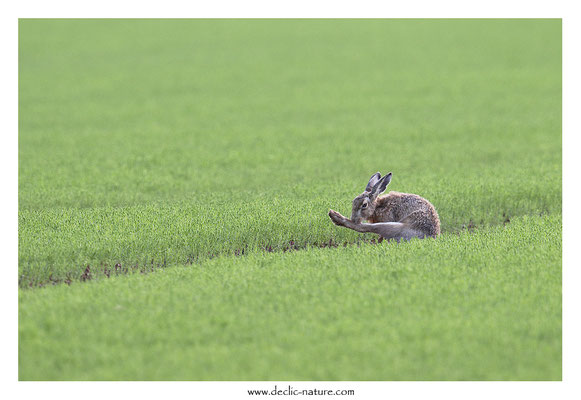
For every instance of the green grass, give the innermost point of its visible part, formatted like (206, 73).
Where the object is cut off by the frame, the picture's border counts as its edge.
(173, 139)
(474, 306)
(178, 143)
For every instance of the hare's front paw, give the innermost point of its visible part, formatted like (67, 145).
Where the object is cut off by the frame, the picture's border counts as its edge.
(337, 218)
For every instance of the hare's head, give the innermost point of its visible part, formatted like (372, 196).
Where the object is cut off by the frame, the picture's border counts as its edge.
(364, 204)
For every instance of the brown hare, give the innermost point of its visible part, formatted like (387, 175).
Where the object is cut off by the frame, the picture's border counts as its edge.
(393, 216)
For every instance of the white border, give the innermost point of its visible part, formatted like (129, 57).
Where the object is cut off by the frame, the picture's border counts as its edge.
(569, 388)
(293, 9)
(571, 192)
(9, 209)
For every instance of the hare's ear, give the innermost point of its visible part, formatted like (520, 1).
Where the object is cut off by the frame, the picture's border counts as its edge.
(373, 181)
(380, 186)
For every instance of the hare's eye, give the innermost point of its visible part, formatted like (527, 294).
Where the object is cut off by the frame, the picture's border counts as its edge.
(364, 205)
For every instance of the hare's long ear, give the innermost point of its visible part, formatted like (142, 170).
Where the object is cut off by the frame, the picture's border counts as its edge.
(380, 186)
(373, 181)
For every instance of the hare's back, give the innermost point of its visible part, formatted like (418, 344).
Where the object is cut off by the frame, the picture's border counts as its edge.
(410, 208)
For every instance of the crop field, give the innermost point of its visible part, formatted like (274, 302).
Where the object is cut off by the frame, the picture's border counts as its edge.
(175, 178)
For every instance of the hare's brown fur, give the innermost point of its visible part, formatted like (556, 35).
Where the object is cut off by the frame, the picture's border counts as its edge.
(411, 209)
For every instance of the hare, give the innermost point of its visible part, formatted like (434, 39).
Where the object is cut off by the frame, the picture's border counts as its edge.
(393, 216)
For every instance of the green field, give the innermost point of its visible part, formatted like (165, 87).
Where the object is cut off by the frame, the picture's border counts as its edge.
(167, 167)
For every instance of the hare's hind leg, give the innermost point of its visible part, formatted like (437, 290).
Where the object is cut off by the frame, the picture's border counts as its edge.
(391, 230)
(410, 233)
(387, 230)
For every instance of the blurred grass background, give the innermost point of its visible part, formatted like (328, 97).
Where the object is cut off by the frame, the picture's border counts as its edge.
(175, 139)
